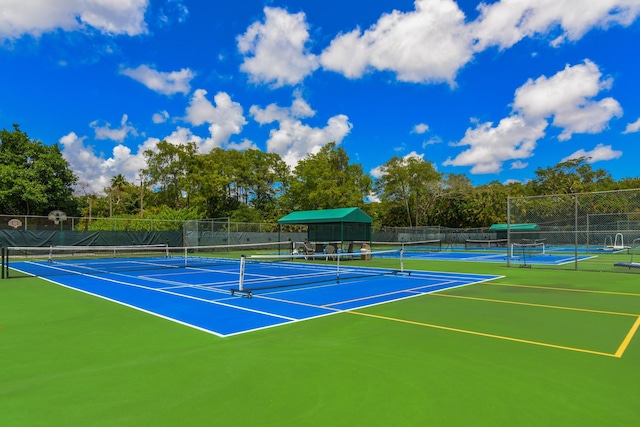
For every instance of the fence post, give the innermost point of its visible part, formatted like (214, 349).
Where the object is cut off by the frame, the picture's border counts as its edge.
(508, 230)
(575, 246)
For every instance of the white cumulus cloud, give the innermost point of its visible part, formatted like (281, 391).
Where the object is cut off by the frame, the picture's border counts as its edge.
(225, 118)
(600, 153)
(429, 44)
(166, 83)
(275, 50)
(36, 17)
(117, 134)
(506, 22)
(513, 138)
(273, 112)
(294, 140)
(97, 169)
(568, 97)
(420, 128)
(160, 117)
(432, 141)
(633, 127)
(518, 164)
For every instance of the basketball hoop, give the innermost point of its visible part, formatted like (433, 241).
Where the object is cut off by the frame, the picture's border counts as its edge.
(15, 223)
(57, 216)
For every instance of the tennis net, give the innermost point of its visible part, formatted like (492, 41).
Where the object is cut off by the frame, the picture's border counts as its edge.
(269, 272)
(356, 246)
(527, 249)
(60, 260)
(417, 246)
(471, 244)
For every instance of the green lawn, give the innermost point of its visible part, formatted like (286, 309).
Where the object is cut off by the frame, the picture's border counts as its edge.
(540, 353)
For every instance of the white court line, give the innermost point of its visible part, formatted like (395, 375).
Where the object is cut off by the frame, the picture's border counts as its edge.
(416, 289)
(171, 293)
(417, 276)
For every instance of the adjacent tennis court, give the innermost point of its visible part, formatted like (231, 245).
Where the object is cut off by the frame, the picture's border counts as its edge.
(493, 251)
(546, 258)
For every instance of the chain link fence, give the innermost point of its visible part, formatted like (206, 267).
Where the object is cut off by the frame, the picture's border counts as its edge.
(30, 230)
(589, 231)
(597, 231)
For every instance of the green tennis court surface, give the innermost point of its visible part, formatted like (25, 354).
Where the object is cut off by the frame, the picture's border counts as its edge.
(536, 347)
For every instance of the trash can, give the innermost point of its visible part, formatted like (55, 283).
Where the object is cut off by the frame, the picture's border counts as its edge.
(365, 252)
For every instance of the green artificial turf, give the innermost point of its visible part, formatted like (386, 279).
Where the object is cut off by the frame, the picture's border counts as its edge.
(71, 359)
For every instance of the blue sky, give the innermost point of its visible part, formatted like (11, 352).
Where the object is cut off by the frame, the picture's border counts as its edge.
(491, 90)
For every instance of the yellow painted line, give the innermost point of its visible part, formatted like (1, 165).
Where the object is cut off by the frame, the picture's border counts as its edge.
(627, 339)
(563, 289)
(482, 334)
(558, 307)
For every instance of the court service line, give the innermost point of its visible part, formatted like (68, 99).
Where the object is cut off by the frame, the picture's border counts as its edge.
(181, 285)
(587, 310)
(483, 334)
(627, 339)
(591, 291)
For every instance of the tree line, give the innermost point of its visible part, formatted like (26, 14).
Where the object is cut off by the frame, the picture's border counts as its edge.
(254, 186)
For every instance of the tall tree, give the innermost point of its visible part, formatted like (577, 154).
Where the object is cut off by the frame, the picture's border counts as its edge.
(410, 183)
(267, 180)
(123, 197)
(327, 180)
(215, 182)
(571, 176)
(34, 178)
(170, 168)
(449, 210)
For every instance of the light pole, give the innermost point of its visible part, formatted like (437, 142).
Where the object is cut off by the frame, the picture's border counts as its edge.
(141, 194)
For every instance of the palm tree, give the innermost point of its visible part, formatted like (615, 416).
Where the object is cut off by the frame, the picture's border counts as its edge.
(118, 185)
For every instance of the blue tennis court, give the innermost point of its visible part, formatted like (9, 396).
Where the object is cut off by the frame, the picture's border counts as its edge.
(200, 296)
(496, 256)
(583, 249)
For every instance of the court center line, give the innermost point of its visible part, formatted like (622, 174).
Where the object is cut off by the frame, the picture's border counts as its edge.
(565, 289)
(587, 310)
(628, 338)
(482, 334)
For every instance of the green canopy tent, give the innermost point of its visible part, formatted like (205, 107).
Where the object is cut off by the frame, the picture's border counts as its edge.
(523, 231)
(332, 225)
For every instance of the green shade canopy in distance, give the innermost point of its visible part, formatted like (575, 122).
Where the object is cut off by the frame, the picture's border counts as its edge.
(515, 227)
(343, 224)
(521, 231)
(326, 216)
